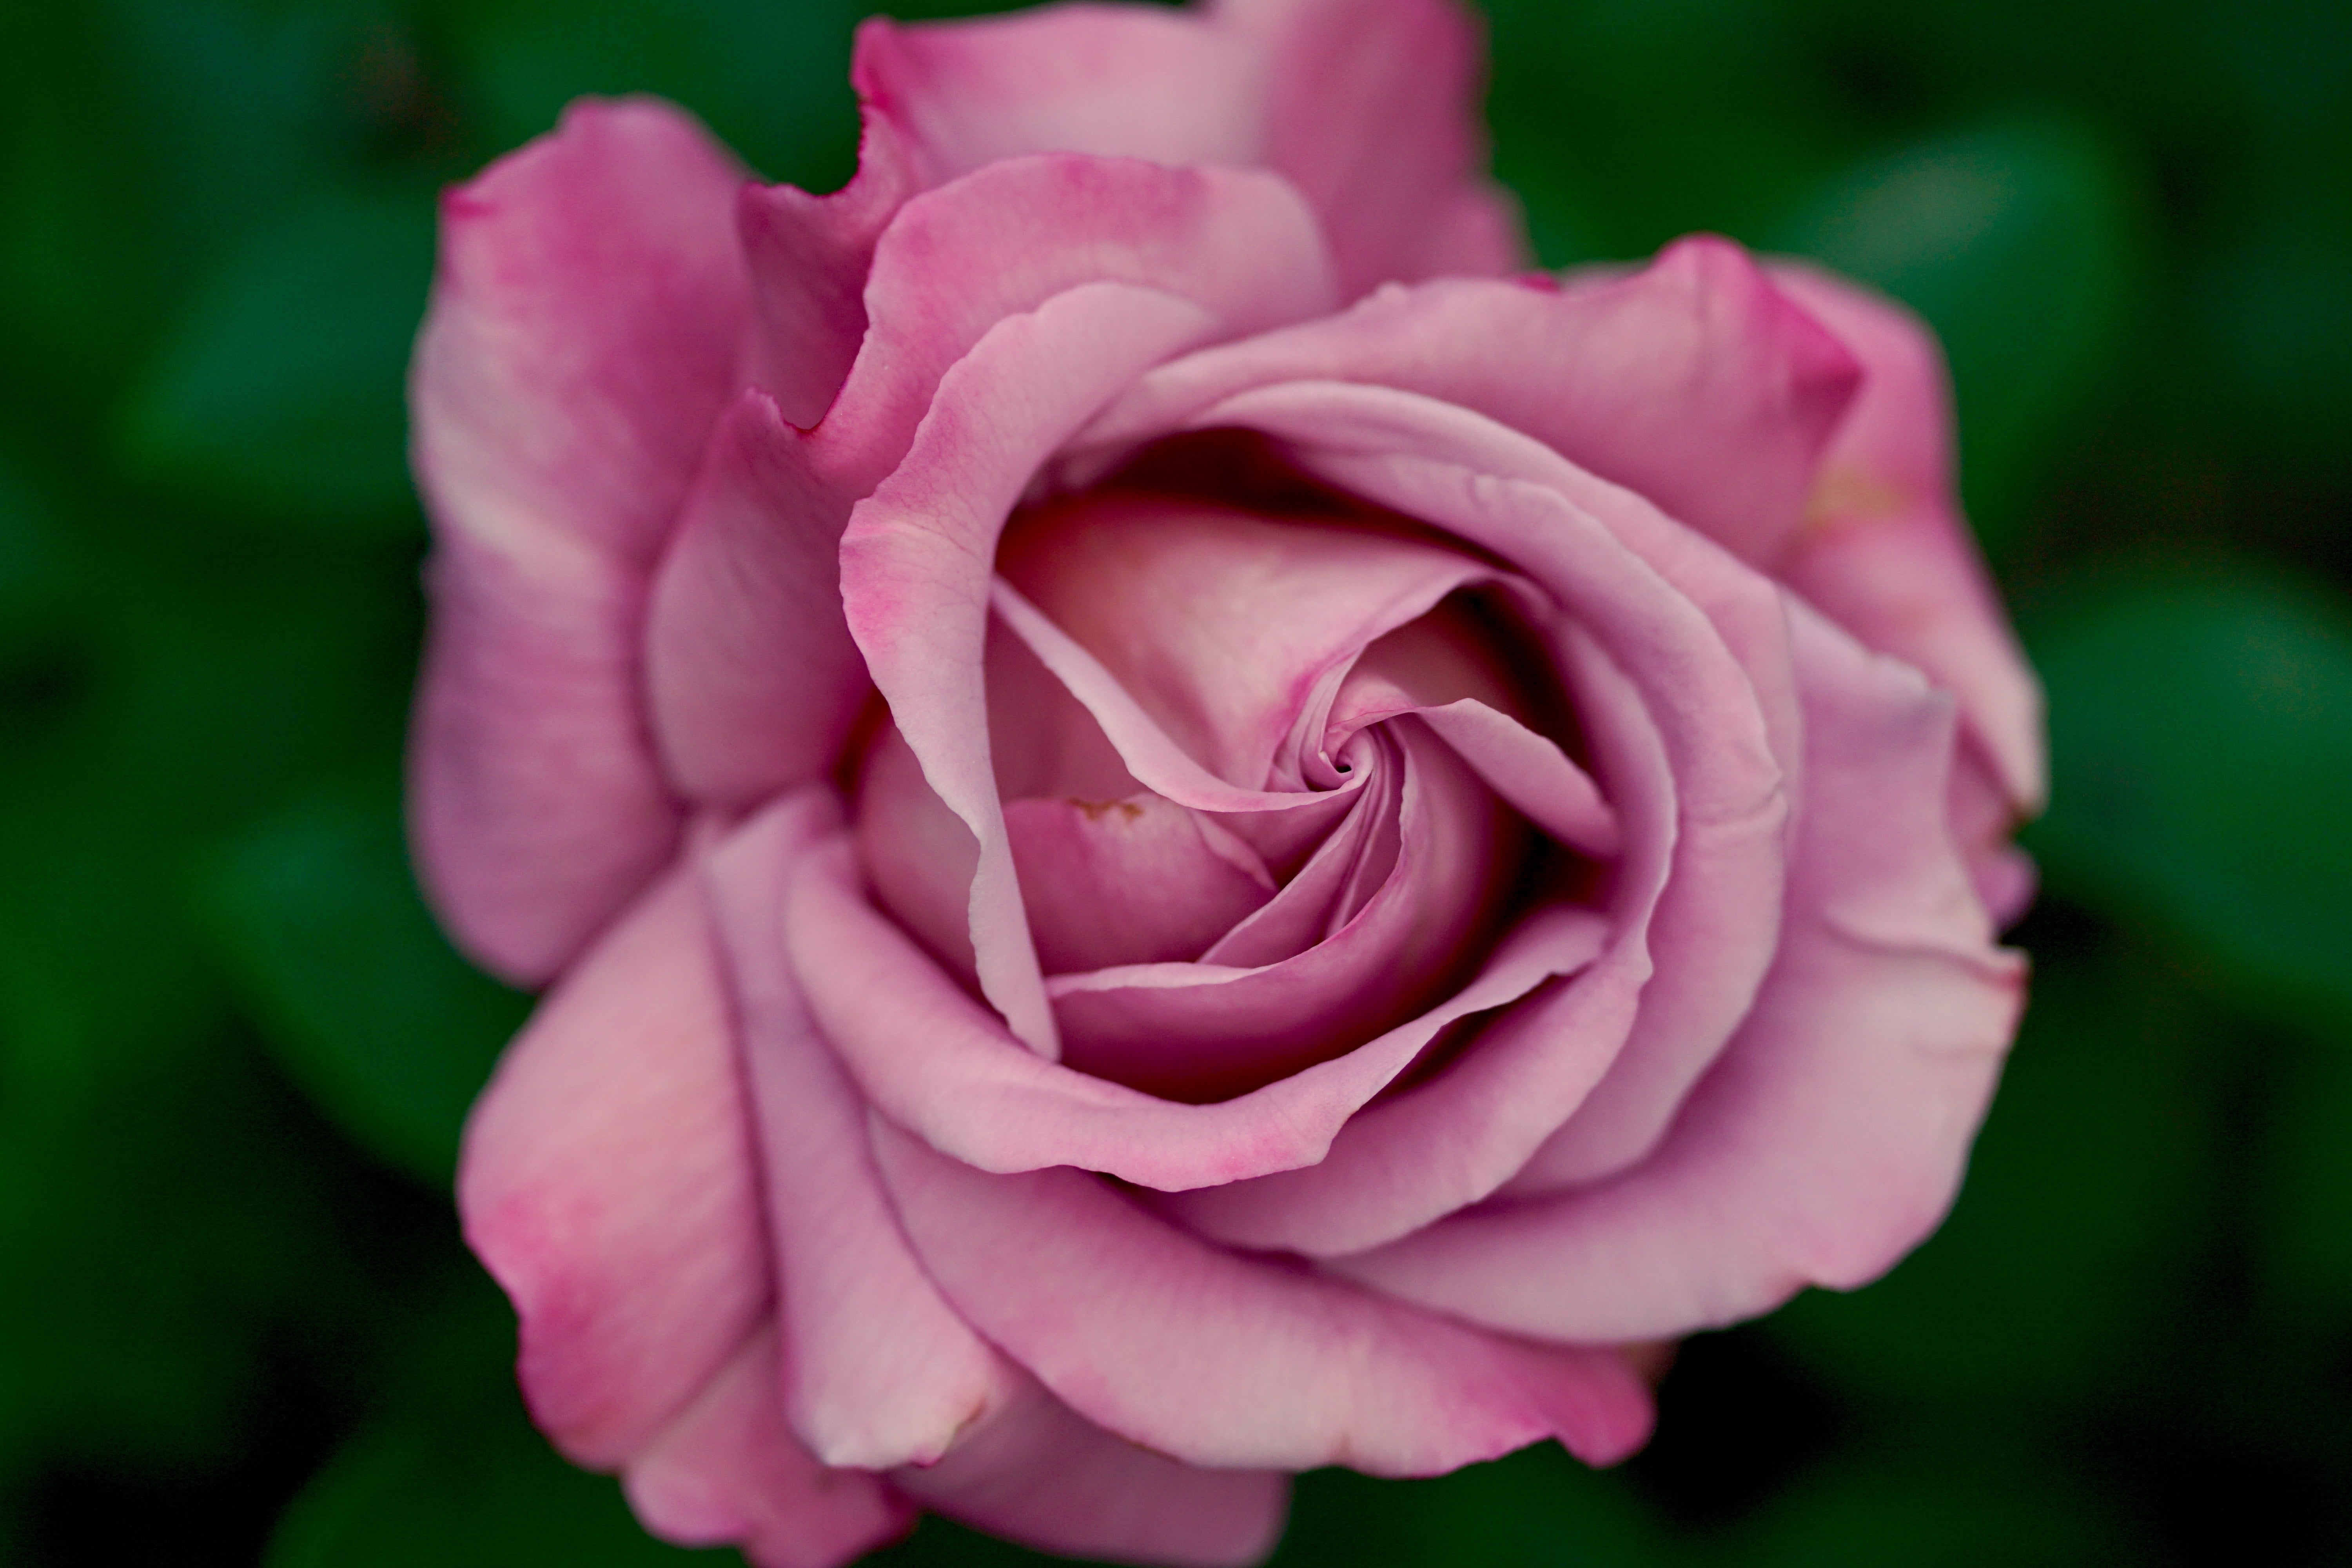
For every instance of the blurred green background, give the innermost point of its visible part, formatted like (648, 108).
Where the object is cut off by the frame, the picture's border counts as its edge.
(236, 1322)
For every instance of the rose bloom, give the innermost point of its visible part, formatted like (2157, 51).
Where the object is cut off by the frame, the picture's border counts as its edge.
(1182, 826)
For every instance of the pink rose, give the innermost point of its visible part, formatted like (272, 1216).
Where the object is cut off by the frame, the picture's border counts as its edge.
(1180, 831)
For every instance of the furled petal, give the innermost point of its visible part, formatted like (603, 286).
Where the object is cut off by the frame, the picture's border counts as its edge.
(1221, 1359)
(1456, 1137)
(725, 1472)
(916, 566)
(607, 1184)
(1039, 1473)
(1152, 756)
(1831, 1136)
(1137, 880)
(883, 1372)
(1703, 639)
(753, 679)
(936, 1062)
(1372, 107)
(1219, 623)
(1693, 382)
(1206, 1031)
(1885, 553)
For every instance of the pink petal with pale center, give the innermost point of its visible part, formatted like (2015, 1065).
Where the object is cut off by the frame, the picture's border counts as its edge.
(1221, 1359)
(607, 1184)
(587, 323)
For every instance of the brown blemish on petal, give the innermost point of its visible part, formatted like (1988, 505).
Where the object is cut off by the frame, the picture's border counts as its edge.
(1096, 810)
(1843, 496)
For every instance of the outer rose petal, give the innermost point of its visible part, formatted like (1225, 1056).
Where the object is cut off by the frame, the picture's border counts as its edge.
(1372, 110)
(1692, 381)
(1133, 81)
(1831, 1136)
(808, 258)
(751, 675)
(1887, 553)
(915, 567)
(1223, 1360)
(1006, 238)
(607, 1184)
(583, 336)
(727, 1473)
(1368, 105)
(1038, 1472)
(883, 1372)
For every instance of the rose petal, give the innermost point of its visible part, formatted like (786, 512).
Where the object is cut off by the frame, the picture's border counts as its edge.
(1693, 382)
(1831, 1136)
(1137, 880)
(1127, 81)
(1220, 1360)
(1885, 553)
(1372, 107)
(883, 1372)
(915, 567)
(536, 805)
(1457, 1137)
(607, 1184)
(1150, 756)
(936, 1062)
(808, 258)
(582, 339)
(1661, 609)
(1039, 1473)
(1008, 237)
(751, 675)
(1219, 623)
(725, 1472)
(1203, 1031)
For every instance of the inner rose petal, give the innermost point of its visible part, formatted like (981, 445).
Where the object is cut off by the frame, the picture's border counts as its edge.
(1221, 624)
(1259, 775)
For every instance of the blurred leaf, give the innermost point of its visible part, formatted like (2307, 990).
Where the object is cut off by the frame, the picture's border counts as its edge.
(2276, 306)
(34, 593)
(283, 387)
(1622, 123)
(1537, 1507)
(366, 1003)
(143, 138)
(1534, 1506)
(454, 1475)
(771, 81)
(166, 1228)
(2304, 1231)
(1953, 1509)
(2202, 742)
(2015, 242)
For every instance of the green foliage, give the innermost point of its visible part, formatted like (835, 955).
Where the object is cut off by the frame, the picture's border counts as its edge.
(280, 389)
(364, 1001)
(2202, 725)
(450, 1471)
